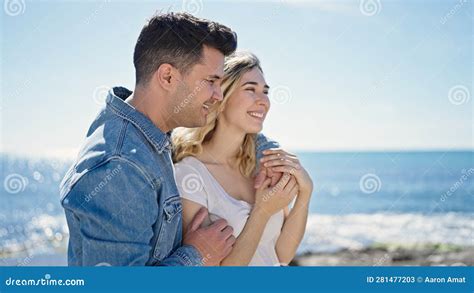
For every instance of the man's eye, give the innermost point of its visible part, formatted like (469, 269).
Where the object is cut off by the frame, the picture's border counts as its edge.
(211, 81)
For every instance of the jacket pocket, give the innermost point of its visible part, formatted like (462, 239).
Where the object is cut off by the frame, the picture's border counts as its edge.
(170, 227)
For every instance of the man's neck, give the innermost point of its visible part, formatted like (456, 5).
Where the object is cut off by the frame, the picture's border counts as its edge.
(152, 107)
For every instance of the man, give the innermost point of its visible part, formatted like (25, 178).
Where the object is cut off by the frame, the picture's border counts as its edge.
(120, 197)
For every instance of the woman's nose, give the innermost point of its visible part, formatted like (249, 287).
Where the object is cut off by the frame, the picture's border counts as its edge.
(263, 100)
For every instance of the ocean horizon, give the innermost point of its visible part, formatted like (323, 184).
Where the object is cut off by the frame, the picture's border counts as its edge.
(360, 199)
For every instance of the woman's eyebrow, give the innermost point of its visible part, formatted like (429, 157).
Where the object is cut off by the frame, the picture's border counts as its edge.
(254, 83)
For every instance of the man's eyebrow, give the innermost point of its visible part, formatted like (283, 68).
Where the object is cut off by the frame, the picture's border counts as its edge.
(214, 76)
(255, 83)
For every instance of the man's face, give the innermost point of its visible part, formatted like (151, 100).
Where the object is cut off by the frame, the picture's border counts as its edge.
(199, 89)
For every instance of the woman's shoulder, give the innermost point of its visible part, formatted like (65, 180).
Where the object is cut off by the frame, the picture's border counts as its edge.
(188, 161)
(191, 180)
(188, 165)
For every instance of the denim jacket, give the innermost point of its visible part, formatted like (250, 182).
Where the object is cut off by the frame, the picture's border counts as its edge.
(120, 197)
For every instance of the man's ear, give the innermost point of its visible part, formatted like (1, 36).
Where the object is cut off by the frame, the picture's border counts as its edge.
(166, 77)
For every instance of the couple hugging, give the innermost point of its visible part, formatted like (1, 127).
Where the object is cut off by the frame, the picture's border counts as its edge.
(176, 172)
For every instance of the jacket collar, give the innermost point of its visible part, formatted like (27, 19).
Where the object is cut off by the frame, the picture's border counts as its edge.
(116, 102)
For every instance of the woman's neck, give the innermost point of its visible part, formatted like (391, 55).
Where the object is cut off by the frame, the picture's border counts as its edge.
(224, 145)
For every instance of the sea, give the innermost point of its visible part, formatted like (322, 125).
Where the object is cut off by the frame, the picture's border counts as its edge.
(360, 199)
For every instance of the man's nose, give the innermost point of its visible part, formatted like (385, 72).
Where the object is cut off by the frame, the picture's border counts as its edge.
(217, 95)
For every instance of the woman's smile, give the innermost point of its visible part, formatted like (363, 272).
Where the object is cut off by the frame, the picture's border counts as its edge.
(260, 116)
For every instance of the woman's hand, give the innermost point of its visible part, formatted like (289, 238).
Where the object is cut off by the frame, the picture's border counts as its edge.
(279, 160)
(265, 173)
(271, 199)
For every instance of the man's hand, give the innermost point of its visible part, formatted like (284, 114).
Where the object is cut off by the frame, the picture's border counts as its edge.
(267, 173)
(213, 242)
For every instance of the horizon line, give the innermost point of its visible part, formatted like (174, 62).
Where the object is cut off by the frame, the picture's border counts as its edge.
(394, 150)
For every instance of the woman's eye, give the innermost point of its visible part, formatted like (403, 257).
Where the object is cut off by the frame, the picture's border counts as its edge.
(265, 93)
(250, 89)
(210, 81)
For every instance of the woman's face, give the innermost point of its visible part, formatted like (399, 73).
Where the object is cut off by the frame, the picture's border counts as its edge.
(248, 105)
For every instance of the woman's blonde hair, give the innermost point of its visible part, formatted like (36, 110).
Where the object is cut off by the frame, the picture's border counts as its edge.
(189, 141)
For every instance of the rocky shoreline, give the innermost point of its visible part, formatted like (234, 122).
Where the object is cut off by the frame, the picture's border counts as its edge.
(392, 255)
(375, 255)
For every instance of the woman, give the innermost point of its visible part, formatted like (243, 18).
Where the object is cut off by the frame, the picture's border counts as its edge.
(216, 165)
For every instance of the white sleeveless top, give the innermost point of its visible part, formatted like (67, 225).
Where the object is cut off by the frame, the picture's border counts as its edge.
(197, 184)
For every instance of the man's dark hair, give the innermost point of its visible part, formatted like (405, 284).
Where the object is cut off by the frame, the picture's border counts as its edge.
(178, 39)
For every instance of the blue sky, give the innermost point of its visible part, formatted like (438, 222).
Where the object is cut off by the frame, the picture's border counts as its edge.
(345, 75)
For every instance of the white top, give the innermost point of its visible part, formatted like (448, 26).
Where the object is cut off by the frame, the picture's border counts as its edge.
(197, 184)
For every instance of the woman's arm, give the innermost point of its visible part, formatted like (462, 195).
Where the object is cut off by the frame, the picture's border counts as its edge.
(295, 220)
(245, 245)
(293, 229)
(268, 201)
(190, 209)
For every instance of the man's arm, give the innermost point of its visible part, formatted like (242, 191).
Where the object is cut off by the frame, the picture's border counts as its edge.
(116, 206)
(264, 143)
